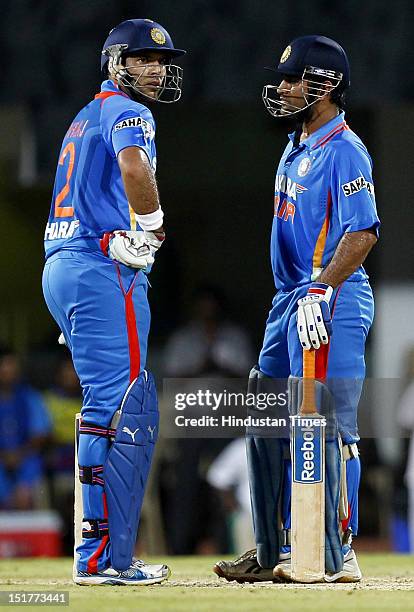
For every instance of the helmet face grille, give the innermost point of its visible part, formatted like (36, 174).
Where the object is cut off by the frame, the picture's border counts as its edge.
(313, 89)
(165, 86)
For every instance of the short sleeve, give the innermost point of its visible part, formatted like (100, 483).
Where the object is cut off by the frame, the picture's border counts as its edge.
(132, 131)
(127, 124)
(352, 189)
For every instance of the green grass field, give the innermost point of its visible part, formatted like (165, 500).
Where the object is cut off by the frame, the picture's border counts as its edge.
(388, 585)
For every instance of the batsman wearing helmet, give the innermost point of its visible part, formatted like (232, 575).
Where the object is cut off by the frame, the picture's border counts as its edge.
(104, 229)
(325, 223)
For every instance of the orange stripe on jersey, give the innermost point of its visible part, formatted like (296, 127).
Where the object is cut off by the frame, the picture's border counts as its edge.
(107, 94)
(336, 130)
(320, 243)
(329, 138)
(333, 135)
(104, 95)
(132, 217)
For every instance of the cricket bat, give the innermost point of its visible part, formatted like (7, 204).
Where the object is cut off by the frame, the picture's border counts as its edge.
(78, 508)
(308, 483)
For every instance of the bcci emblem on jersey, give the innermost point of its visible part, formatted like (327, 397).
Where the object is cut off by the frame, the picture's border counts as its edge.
(304, 166)
(307, 449)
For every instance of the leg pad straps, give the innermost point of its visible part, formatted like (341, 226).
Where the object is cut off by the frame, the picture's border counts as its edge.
(94, 528)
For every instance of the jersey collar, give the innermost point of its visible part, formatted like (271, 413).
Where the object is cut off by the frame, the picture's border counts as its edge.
(111, 88)
(325, 132)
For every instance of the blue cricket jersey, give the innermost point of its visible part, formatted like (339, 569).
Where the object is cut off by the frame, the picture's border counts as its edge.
(323, 188)
(89, 196)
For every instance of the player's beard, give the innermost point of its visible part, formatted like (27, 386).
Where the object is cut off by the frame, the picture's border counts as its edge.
(136, 95)
(302, 116)
(295, 122)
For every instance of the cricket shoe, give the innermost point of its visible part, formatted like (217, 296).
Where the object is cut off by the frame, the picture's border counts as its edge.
(350, 571)
(137, 574)
(283, 569)
(244, 569)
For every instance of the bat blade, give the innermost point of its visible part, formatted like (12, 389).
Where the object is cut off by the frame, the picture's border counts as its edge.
(308, 483)
(308, 499)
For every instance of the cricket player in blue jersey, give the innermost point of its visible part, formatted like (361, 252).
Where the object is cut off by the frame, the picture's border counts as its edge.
(104, 228)
(325, 223)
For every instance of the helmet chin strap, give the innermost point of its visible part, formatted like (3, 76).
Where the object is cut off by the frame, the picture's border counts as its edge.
(135, 94)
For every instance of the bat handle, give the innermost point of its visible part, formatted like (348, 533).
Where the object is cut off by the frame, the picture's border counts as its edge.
(309, 400)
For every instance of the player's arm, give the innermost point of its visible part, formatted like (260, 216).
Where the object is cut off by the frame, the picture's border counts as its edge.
(132, 248)
(139, 181)
(350, 253)
(354, 201)
(314, 316)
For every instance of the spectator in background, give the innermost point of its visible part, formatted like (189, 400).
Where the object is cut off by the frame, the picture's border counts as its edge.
(24, 428)
(229, 475)
(406, 420)
(63, 400)
(209, 345)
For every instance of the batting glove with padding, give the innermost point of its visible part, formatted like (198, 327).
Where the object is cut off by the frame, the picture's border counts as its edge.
(155, 240)
(314, 316)
(131, 248)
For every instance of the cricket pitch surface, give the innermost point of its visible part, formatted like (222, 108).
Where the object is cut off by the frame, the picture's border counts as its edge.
(388, 584)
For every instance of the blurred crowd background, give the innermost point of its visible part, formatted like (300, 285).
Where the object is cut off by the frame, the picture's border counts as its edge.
(212, 284)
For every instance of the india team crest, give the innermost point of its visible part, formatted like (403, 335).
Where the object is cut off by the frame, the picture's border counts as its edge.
(158, 36)
(304, 166)
(286, 54)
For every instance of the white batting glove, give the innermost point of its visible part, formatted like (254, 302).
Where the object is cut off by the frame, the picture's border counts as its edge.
(314, 316)
(131, 248)
(155, 240)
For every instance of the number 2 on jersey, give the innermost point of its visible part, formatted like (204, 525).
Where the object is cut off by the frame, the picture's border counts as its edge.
(65, 211)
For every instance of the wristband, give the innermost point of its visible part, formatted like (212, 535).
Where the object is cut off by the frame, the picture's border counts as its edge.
(151, 221)
(321, 290)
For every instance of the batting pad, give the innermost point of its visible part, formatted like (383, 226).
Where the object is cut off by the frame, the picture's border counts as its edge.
(265, 458)
(127, 467)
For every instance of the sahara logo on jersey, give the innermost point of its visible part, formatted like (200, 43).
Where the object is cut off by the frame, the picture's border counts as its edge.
(136, 122)
(286, 185)
(60, 229)
(357, 185)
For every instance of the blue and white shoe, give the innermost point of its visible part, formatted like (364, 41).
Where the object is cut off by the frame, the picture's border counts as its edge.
(350, 571)
(139, 573)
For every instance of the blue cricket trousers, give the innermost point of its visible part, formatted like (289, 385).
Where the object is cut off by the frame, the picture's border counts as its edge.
(102, 309)
(341, 363)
